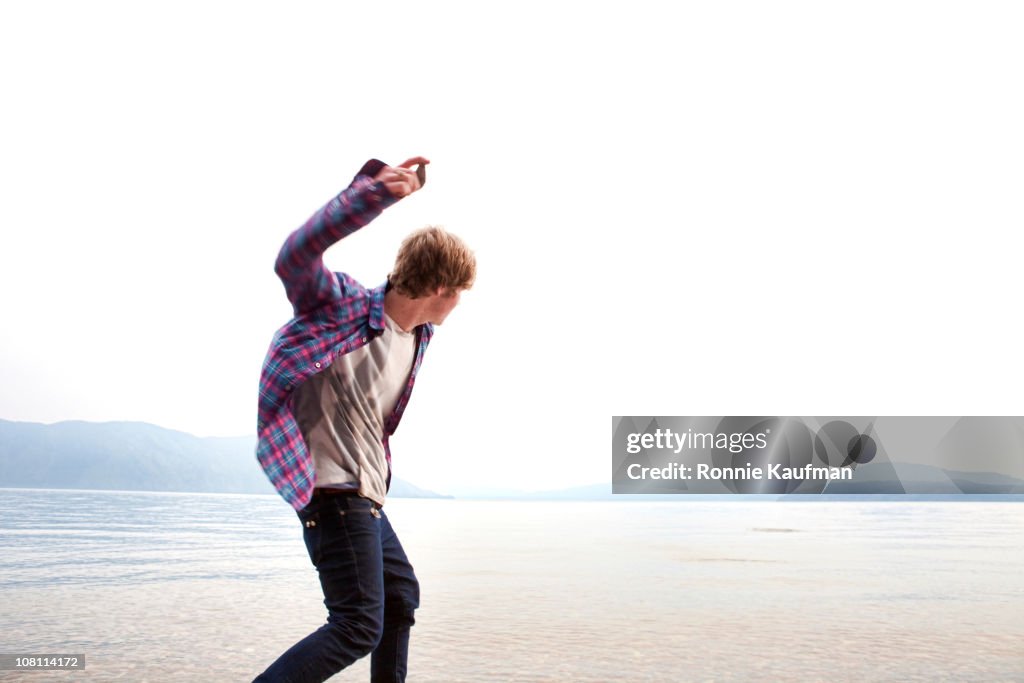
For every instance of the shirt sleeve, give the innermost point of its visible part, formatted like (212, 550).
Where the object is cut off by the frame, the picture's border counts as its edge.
(307, 281)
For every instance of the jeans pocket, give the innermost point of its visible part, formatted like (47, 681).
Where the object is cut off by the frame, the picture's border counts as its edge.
(312, 533)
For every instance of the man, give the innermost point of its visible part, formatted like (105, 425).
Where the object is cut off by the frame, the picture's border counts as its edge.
(334, 385)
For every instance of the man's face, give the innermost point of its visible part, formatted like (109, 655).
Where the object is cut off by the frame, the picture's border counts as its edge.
(441, 304)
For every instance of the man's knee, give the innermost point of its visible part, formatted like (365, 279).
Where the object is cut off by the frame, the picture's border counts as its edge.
(405, 591)
(362, 633)
(400, 607)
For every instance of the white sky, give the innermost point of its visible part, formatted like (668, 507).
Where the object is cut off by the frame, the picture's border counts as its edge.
(714, 208)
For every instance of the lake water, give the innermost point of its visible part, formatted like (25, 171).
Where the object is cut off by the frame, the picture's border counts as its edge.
(204, 587)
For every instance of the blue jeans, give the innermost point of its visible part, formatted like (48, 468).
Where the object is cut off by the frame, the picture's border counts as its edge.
(370, 592)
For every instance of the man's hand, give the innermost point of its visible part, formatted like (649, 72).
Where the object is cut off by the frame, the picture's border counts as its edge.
(402, 180)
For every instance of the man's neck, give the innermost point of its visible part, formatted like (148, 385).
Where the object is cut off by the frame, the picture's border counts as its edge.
(407, 313)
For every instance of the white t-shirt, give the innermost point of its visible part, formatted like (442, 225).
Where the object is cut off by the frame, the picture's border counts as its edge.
(341, 411)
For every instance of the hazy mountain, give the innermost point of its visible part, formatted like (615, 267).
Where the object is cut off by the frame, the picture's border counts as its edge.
(893, 480)
(135, 456)
(145, 457)
(924, 479)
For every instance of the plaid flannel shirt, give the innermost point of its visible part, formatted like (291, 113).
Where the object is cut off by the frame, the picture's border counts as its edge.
(334, 314)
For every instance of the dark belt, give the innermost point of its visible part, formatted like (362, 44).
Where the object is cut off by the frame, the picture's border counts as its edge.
(333, 493)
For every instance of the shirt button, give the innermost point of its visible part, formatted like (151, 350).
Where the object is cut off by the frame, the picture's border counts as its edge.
(317, 363)
(364, 339)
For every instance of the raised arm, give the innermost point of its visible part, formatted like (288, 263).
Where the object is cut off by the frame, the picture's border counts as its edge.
(308, 283)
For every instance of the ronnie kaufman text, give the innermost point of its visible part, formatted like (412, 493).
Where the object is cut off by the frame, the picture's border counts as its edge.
(702, 471)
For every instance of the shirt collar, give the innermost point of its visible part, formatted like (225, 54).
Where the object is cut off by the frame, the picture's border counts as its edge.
(377, 307)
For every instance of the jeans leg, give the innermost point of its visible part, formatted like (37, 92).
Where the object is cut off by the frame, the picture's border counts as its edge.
(343, 539)
(389, 662)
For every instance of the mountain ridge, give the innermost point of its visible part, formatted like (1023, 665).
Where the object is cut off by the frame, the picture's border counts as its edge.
(137, 456)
